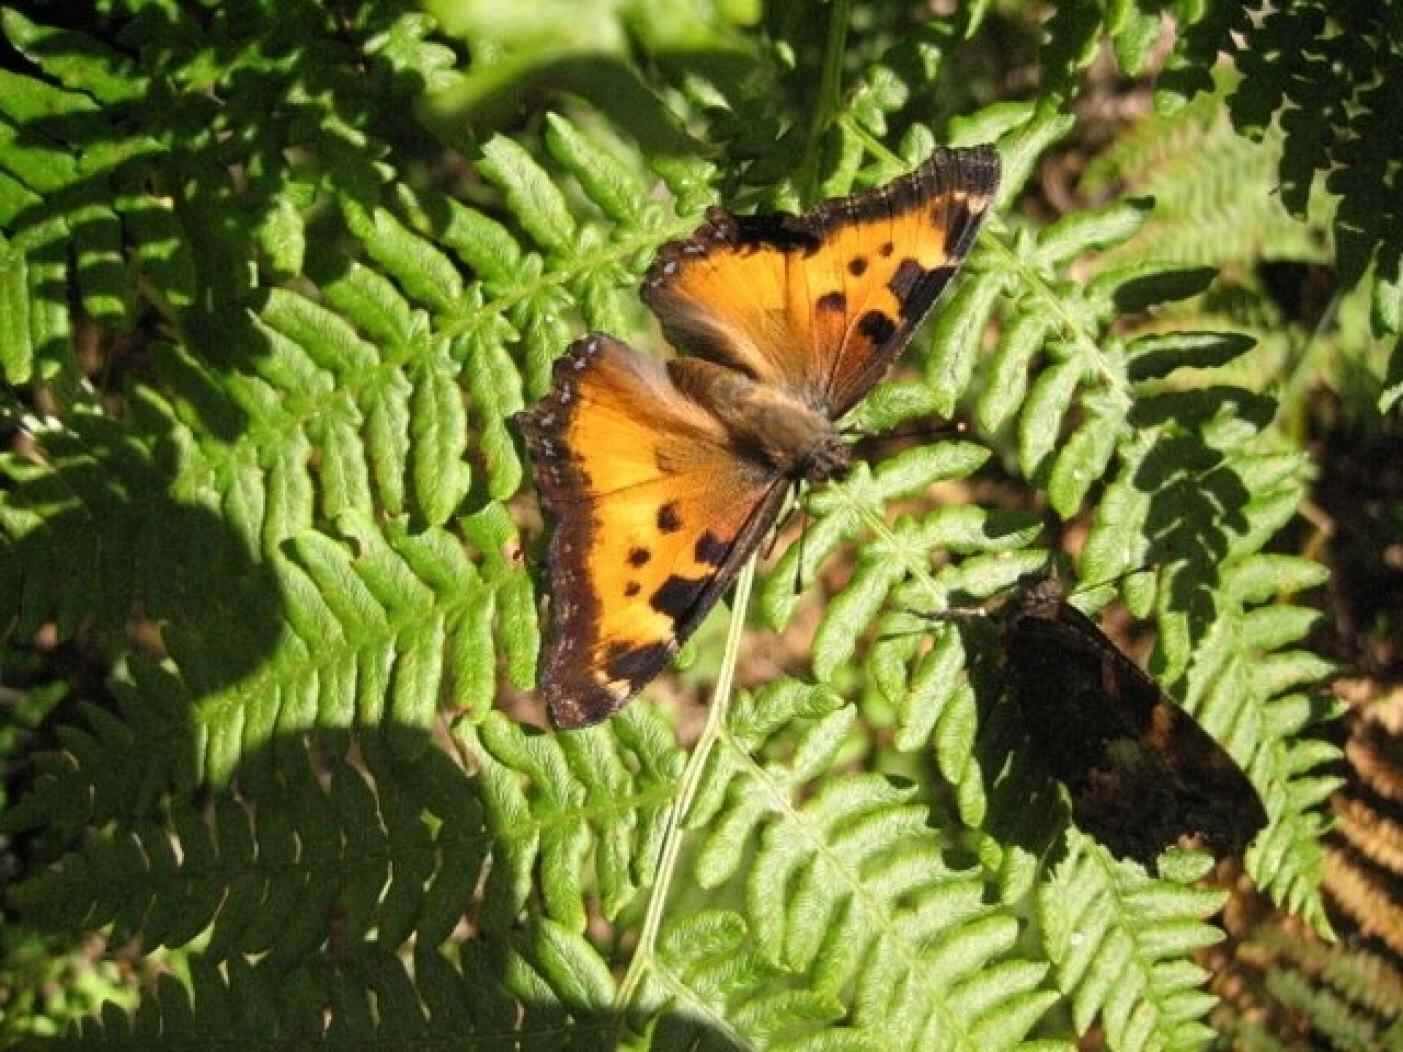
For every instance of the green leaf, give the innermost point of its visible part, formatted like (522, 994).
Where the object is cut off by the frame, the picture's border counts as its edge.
(605, 176)
(16, 348)
(1159, 354)
(530, 194)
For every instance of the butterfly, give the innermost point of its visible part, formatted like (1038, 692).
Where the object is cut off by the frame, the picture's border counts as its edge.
(662, 477)
(1142, 774)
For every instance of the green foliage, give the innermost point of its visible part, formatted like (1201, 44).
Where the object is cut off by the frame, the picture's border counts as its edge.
(1217, 203)
(1326, 75)
(849, 906)
(273, 280)
(1214, 191)
(1119, 943)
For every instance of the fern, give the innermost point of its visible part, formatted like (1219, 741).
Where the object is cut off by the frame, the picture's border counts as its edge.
(1294, 988)
(1216, 204)
(1117, 940)
(273, 280)
(580, 791)
(1323, 72)
(1340, 996)
(847, 890)
(1214, 191)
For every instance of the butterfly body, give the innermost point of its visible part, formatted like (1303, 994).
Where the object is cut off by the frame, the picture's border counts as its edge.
(1141, 772)
(777, 432)
(661, 478)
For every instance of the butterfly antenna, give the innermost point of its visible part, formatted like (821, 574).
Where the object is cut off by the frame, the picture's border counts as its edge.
(869, 443)
(951, 427)
(956, 614)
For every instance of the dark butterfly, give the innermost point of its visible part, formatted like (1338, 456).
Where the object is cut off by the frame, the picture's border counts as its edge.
(1142, 774)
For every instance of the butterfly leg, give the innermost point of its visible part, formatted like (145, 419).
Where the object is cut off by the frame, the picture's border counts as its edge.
(803, 532)
(779, 530)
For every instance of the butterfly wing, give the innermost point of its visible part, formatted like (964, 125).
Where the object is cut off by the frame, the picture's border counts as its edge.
(1141, 772)
(653, 512)
(821, 303)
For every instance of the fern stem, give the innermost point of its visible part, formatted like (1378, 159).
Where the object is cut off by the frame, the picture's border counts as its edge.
(878, 525)
(687, 790)
(992, 240)
(829, 90)
(874, 145)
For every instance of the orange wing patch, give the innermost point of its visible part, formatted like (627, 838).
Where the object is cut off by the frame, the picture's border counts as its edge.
(821, 303)
(653, 514)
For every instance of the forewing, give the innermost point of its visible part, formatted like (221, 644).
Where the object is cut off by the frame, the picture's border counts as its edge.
(822, 303)
(653, 514)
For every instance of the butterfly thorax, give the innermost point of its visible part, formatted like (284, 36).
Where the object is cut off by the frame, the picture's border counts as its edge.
(829, 459)
(771, 428)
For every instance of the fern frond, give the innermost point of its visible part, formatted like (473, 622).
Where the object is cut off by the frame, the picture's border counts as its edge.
(1323, 74)
(1249, 704)
(302, 414)
(541, 984)
(549, 799)
(849, 890)
(1371, 983)
(1119, 942)
(395, 847)
(1290, 61)
(1214, 192)
(261, 873)
(711, 985)
(1048, 316)
(1220, 652)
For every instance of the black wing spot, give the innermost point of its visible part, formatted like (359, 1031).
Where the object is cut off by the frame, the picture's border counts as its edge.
(957, 222)
(857, 266)
(908, 275)
(636, 664)
(877, 326)
(788, 233)
(710, 549)
(886, 249)
(639, 556)
(834, 301)
(632, 588)
(669, 521)
(677, 596)
(916, 288)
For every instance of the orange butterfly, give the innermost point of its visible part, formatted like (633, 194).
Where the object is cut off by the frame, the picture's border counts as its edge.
(663, 477)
